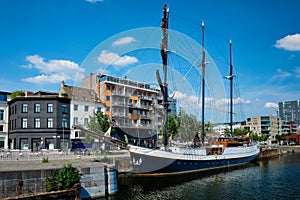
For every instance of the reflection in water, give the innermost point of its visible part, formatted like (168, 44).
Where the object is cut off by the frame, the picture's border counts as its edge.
(276, 178)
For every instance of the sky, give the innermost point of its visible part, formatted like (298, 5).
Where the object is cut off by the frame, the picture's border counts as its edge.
(45, 42)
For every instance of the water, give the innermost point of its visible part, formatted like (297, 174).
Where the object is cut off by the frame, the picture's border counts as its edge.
(276, 178)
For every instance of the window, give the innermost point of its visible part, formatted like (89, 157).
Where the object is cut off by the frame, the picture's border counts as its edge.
(64, 108)
(1, 114)
(77, 134)
(107, 98)
(107, 109)
(75, 107)
(86, 108)
(75, 120)
(24, 123)
(37, 108)
(25, 108)
(1, 127)
(50, 108)
(108, 87)
(37, 123)
(86, 121)
(50, 122)
(64, 123)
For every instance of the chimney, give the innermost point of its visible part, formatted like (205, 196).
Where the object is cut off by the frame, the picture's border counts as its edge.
(91, 81)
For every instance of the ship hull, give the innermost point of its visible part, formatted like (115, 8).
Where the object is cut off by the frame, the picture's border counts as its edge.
(158, 162)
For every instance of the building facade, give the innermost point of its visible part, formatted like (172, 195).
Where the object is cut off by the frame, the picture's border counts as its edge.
(4, 98)
(265, 126)
(84, 103)
(39, 122)
(290, 111)
(128, 104)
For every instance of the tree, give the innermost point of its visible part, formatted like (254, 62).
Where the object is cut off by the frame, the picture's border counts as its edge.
(240, 132)
(173, 125)
(208, 127)
(278, 137)
(227, 131)
(188, 127)
(17, 93)
(98, 122)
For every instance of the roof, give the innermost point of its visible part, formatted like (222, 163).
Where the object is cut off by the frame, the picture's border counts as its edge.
(296, 136)
(79, 94)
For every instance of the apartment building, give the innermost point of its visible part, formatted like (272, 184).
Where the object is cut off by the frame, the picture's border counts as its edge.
(4, 98)
(290, 111)
(39, 121)
(265, 125)
(129, 104)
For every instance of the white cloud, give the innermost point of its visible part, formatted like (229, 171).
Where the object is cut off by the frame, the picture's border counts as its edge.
(94, 1)
(282, 74)
(123, 41)
(110, 58)
(289, 43)
(297, 72)
(238, 100)
(52, 71)
(271, 105)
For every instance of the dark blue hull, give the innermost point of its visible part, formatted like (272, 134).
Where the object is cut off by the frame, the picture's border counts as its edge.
(144, 164)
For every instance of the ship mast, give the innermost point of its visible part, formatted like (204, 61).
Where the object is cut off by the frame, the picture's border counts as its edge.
(203, 86)
(231, 92)
(164, 56)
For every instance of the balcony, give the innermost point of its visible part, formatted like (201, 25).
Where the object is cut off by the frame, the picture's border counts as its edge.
(143, 108)
(145, 117)
(119, 94)
(145, 98)
(116, 104)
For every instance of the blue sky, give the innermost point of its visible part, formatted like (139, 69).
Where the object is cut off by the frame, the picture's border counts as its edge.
(44, 42)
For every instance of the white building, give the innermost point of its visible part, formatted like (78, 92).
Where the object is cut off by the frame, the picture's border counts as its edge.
(84, 102)
(4, 98)
(220, 128)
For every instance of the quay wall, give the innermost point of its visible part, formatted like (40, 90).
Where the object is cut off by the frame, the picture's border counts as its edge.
(96, 181)
(274, 151)
(291, 149)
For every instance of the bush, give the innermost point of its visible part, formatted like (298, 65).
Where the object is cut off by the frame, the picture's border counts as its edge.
(62, 180)
(45, 160)
(51, 182)
(67, 177)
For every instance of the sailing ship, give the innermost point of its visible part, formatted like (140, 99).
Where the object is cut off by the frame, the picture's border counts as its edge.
(166, 160)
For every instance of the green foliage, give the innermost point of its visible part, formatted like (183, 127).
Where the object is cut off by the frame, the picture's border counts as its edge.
(99, 122)
(51, 182)
(62, 180)
(240, 132)
(227, 131)
(278, 137)
(208, 127)
(188, 126)
(173, 125)
(260, 138)
(67, 177)
(45, 160)
(17, 93)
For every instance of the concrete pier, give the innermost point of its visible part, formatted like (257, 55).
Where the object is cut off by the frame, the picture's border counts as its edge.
(19, 178)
